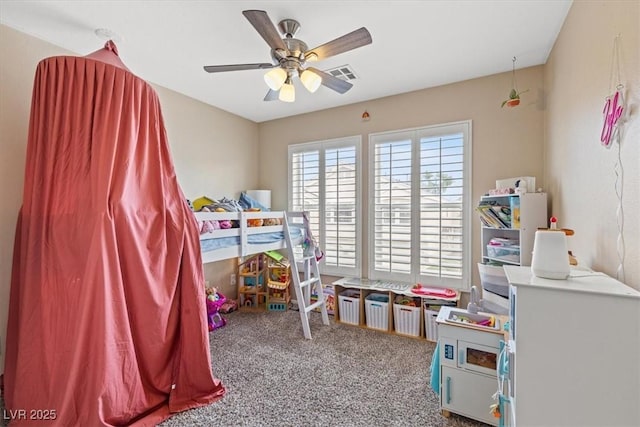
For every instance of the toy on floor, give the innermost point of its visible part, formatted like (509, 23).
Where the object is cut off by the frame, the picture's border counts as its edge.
(278, 281)
(215, 300)
(229, 306)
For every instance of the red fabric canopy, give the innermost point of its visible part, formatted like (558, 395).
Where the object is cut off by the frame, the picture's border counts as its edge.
(107, 318)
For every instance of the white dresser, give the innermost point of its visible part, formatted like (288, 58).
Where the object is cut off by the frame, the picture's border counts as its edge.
(574, 351)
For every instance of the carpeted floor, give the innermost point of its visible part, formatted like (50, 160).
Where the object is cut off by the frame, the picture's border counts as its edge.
(345, 376)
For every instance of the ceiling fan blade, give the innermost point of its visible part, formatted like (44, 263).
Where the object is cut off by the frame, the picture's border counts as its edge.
(236, 67)
(263, 25)
(272, 95)
(353, 40)
(332, 82)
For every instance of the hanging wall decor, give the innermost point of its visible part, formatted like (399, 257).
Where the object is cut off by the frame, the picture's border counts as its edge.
(514, 95)
(613, 103)
(612, 134)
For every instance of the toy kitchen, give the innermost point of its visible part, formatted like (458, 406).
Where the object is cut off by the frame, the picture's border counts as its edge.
(469, 352)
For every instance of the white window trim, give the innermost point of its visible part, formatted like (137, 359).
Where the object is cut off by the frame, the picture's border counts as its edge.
(464, 127)
(322, 146)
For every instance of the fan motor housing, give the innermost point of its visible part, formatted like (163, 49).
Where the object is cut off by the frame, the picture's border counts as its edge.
(295, 51)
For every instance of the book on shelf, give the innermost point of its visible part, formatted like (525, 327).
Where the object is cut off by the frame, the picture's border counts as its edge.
(515, 212)
(494, 216)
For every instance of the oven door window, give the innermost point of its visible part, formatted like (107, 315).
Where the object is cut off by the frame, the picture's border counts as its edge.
(476, 357)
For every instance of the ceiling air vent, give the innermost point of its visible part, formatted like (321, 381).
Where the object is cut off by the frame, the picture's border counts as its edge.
(344, 72)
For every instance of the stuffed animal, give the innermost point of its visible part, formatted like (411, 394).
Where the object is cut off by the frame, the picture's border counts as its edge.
(272, 221)
(212, 293)
(209, 225)
(255, 222)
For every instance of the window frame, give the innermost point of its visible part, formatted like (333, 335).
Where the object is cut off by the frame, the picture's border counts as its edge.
(415, 135)
(322, 147)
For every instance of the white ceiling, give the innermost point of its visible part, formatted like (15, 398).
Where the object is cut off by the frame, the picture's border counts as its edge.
(416, 44)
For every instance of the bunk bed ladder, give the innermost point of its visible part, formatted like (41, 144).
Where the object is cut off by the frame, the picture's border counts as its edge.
(307, 281)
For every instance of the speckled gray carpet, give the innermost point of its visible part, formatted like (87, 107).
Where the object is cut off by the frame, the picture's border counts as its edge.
(345, 376)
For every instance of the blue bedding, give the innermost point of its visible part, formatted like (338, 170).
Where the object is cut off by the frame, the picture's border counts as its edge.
(255, 239)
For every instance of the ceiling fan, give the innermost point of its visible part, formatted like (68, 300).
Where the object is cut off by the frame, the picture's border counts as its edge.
(290, 56)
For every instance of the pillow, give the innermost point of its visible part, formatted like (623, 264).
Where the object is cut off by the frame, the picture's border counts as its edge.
(248, 202)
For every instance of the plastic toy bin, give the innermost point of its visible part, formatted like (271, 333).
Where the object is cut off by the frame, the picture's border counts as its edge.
(349, 305)
(406, 318)
(377, 311)
(505, 253)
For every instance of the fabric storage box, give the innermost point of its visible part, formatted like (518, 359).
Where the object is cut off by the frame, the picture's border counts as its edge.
(349, 305)
(406, 316)
(377, 311)
(493, 279)
(506, 253)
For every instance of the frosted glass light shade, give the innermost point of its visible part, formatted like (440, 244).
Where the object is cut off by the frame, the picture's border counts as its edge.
(310, 80)
(287, 93)
(275, 78)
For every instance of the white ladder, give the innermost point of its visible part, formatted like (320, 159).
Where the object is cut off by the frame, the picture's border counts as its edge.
(311, 281)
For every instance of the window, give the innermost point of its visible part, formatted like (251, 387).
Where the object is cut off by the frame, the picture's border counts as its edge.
(324, 179)
(419, 197)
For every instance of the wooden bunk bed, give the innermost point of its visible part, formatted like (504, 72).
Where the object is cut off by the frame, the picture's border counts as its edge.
(243, 239)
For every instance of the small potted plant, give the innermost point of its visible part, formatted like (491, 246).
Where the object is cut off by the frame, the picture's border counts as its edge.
(514, 95)
(514, 98)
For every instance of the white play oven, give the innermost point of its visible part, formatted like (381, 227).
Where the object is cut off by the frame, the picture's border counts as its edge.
(468, 364)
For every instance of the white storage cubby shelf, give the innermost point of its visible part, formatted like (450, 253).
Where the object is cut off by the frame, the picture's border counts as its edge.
(387, 310)
(515, 231)
(528, 213)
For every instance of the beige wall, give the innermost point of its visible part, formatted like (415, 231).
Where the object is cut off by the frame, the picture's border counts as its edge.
(506, 142)
(580, 172)
(208, 146)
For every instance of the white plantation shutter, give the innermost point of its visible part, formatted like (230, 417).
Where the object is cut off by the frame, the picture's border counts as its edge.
(392, 206)
(305, 185)
(441, 206)
(340, 242)
(304, 188)
(419, 224)
(324, 180)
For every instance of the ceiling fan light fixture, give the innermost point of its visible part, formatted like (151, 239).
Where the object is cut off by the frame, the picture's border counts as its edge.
(275, 78)
(310, 80)
(290, 55)
(311, 57)
(287, 92)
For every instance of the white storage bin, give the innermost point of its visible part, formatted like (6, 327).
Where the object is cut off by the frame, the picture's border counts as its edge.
(406, 318)
(349, 305)
(377, 311)
(493, 279)
(430, 325)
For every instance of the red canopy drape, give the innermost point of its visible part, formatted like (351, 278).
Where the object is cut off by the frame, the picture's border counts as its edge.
(107, 319)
